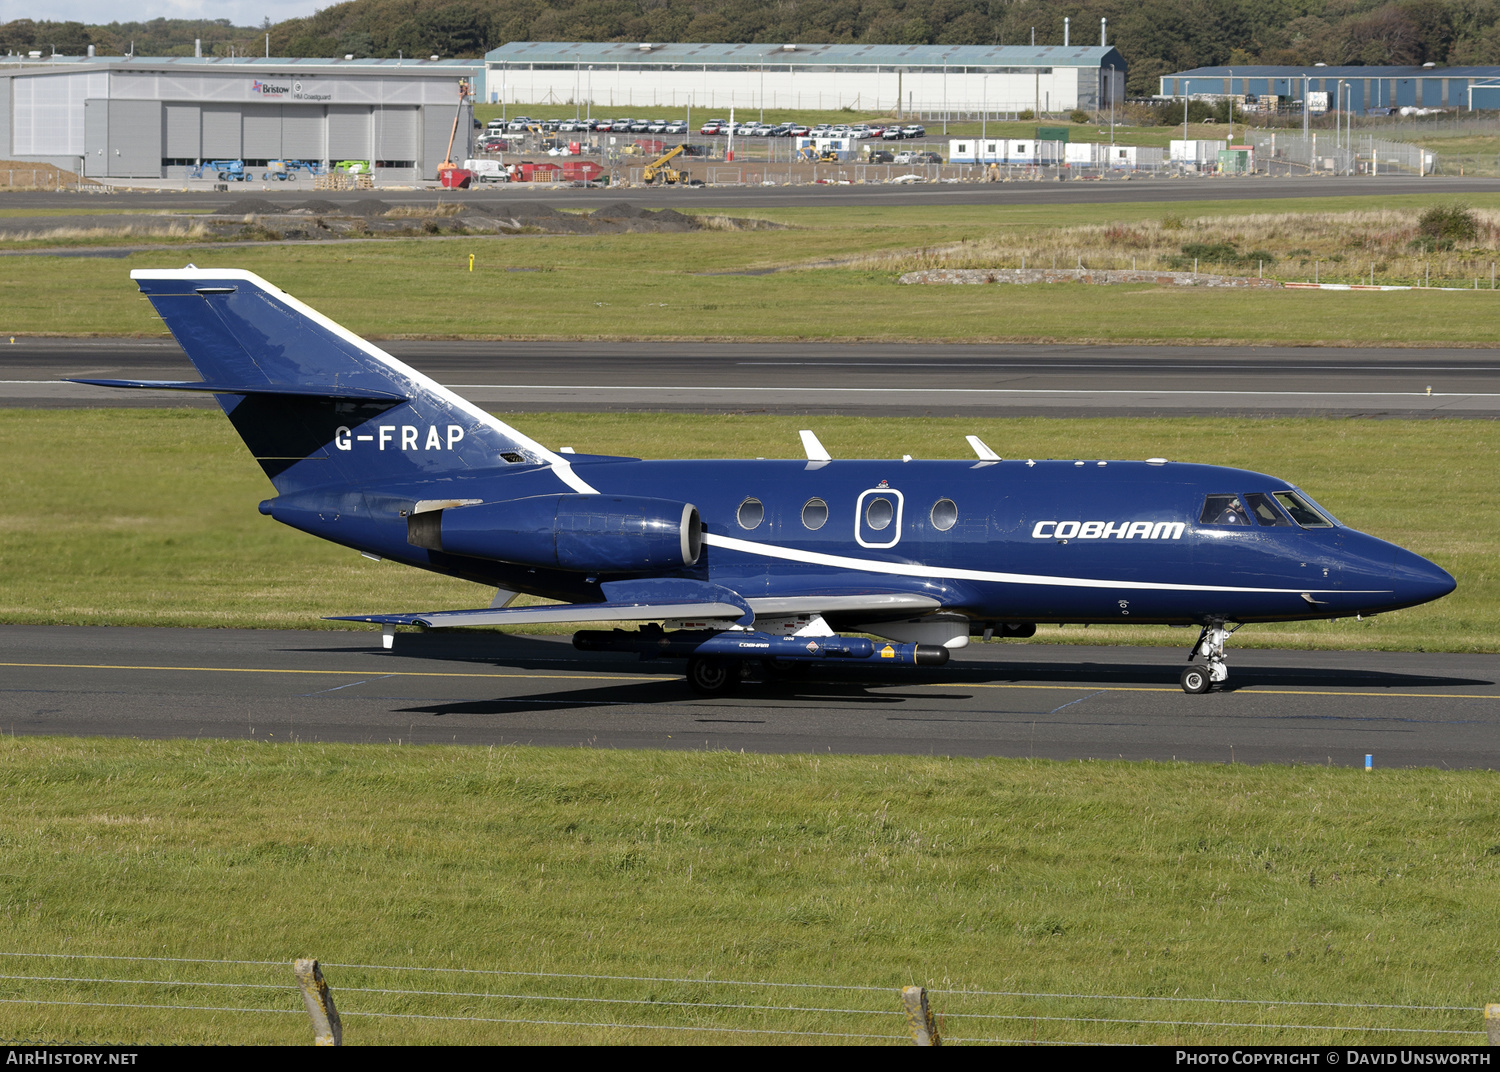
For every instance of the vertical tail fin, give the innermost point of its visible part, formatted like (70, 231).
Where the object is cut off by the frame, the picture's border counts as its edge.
(315, 403)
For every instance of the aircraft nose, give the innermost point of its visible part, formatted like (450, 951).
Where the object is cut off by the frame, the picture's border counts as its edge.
(1420, 581)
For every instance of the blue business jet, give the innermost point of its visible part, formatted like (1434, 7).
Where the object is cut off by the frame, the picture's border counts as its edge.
(725, 562)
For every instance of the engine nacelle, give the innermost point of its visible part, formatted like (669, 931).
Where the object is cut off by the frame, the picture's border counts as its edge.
(586, 533)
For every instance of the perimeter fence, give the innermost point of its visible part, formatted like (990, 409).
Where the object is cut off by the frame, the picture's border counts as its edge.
(93, 996)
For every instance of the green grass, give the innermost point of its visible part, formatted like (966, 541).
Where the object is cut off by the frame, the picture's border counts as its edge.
(1263, 883)
(147, 517)
(665, 286)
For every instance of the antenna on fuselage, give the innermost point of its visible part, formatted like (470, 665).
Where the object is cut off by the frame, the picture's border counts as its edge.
(816, 451)
(982, 449)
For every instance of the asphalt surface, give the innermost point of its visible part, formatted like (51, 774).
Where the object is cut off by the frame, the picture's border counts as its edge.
(999, 699)
(1048, 192)
(872, 379)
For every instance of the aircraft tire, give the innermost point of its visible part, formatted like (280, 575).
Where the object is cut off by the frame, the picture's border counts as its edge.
(1195, 680)
(713, 677)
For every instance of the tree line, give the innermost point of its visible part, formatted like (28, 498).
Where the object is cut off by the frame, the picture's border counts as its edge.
(1156, 37)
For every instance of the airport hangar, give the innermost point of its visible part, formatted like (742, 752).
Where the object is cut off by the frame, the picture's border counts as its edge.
(1362, 90)
(917, 80)
(157, 117)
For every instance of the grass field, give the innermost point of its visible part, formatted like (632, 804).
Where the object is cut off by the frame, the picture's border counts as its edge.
(147, 517)
(686, 286)
(1168, 880)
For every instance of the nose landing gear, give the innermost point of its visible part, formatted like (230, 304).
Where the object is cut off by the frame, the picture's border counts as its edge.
(1211, 641)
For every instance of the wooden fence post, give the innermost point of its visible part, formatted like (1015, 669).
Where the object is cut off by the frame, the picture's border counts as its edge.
(1492, 1023)
(327, 1031)
(919, 1019)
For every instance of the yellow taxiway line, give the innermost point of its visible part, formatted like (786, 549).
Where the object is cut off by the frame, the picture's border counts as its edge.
(670, 677)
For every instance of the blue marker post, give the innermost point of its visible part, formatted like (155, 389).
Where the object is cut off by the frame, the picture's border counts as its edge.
(1369, 763)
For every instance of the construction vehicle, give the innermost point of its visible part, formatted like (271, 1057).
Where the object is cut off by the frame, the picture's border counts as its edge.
(450, 175)
(225, 170)
(661, 168)
(285, 170)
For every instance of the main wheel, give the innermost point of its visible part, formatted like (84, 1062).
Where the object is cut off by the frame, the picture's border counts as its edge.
(712, 677)
(1195, 680)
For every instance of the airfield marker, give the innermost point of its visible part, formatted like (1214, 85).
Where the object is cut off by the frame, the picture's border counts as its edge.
(471, 262)
(1369, 763)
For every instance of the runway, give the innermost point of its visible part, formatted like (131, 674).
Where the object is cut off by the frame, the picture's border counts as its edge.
(875, 379)
(1042, 192)
(999, 699)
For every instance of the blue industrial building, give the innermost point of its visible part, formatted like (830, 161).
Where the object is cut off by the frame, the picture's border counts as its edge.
(1364, 90)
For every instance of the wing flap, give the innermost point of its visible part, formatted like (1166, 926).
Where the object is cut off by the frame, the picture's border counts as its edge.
(875, 602)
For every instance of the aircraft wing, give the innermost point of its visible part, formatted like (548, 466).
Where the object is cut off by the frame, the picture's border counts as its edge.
(878, 603)
(561, 613)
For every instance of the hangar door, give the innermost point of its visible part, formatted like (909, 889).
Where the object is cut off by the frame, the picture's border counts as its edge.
(395, 137)
(261, 133)
(348, 132)
(302, 131)
(122, 138)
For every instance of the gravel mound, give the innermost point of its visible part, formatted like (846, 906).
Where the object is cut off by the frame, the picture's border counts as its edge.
(253, 206)
(368, 208)
(322, 207)
(622, 211)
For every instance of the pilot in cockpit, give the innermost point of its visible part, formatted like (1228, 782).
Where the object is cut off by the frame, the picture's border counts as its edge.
(1233, 513)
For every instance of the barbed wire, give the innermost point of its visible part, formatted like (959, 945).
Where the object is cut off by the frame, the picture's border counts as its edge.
(706, 981)
(1224, 1001)
(1204, 1023)
(633, 1027)
(128, 1005)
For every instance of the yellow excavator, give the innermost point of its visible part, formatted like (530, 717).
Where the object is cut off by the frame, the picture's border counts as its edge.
(661, 168)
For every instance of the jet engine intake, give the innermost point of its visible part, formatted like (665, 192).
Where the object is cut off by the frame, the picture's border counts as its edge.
(585, 533)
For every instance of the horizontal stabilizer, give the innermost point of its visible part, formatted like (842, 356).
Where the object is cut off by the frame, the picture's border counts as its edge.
(567, 612)
(302, 390)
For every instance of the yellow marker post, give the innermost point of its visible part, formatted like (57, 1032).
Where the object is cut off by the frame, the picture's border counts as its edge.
(471, 262)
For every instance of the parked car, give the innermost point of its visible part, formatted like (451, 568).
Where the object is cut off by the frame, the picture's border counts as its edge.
(913, 130)
(877, 130)
(677, 126)
(492, 145)
(928, 157)
(881, 156)
(713, 127)
(495, 124)
(656, 126)
(799, 130)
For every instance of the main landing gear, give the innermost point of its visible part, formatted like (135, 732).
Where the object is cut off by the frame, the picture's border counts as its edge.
(708, 676)
(1211, 641)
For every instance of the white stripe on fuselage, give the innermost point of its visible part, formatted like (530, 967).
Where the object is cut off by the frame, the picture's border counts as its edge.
(912, 569)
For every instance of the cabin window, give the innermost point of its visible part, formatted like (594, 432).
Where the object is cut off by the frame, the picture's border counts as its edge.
(752, 513)
(1223, 510)
(878, 514)
(1302, 511)
(814, 514)
(944, 514)
(1265, 510)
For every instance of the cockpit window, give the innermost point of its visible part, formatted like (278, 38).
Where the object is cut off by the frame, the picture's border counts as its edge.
(1265, 510)
(1223, 510)
(1302, 511)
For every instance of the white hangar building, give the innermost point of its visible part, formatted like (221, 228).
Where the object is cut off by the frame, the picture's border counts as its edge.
(920, 79)
(135, 118)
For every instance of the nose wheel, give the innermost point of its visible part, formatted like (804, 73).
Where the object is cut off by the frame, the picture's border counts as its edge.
(1198, 679)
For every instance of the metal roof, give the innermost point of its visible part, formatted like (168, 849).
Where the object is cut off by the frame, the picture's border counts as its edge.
(1338, 72)
(755, 55)
(409, 65)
